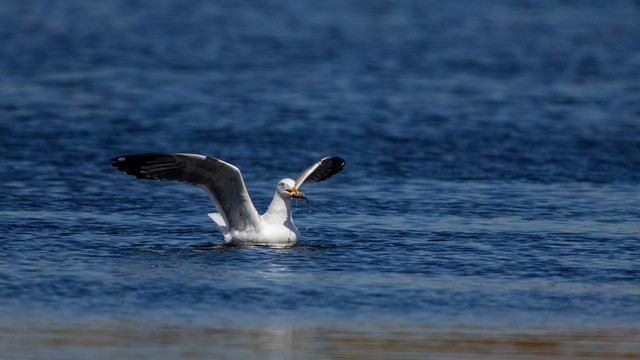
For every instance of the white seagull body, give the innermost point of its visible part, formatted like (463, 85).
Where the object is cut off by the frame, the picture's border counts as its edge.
(237, 218)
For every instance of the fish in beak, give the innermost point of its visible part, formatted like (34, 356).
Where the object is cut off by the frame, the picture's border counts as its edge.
(297, 195)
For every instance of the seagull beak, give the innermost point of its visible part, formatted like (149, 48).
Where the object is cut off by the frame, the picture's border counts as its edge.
(297, 194)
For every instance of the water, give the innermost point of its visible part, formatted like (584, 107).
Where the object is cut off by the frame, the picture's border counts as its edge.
(488, 209)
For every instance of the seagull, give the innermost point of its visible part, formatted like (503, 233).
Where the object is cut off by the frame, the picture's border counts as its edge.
(237, 218)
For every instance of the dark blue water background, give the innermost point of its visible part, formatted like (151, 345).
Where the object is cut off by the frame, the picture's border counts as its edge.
(492, 149)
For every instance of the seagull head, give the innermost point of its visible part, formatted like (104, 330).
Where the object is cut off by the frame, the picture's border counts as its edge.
(287, 189)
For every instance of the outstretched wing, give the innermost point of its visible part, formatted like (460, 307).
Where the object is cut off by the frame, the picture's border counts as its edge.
(322, 170)
(222, 181)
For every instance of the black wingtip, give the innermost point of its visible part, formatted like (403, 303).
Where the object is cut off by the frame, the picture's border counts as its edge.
(328, 167)
(117, 160)
(336, 164)
(132, 164)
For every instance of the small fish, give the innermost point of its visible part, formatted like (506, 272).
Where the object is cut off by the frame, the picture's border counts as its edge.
(299, 195)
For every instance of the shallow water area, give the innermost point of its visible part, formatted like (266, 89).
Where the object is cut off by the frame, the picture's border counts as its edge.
(488, 208)
(337, 341)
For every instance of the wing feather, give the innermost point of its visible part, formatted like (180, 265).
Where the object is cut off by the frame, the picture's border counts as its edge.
(321, 170)
(221, 180)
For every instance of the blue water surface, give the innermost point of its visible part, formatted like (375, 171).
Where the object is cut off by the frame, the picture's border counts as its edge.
(492, 149)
